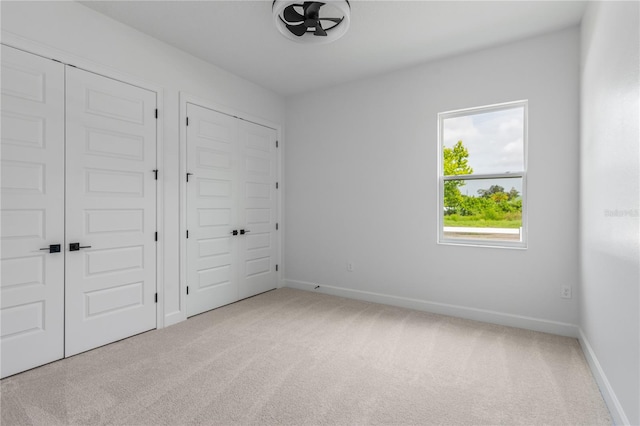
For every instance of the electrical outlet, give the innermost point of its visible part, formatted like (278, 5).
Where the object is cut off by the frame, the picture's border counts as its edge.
(350, 266)
(565, 292)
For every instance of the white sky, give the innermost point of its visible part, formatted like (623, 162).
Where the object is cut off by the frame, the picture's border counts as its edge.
(495, 144)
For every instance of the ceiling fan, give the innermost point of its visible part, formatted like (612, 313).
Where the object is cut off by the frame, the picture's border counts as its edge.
(312, 21)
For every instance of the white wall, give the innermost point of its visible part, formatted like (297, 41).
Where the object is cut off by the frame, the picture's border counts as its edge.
(362, 187)
(74, 30)
(610, 181)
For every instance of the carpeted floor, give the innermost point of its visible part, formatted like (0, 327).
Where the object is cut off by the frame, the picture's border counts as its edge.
(301, 358)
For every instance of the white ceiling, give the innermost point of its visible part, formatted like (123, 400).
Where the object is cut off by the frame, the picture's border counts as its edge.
(240, 36)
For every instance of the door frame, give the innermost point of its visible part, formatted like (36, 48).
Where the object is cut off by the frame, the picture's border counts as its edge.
(187, 98)
(80, 62)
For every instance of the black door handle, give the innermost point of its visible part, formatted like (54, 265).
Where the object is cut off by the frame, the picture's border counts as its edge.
(53, 248)
(244, 231)
(76, 246)
(234, 232)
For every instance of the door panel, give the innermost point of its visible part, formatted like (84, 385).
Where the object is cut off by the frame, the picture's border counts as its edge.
(32, 211)
(211, 209)
(258, 206)
(111, 211)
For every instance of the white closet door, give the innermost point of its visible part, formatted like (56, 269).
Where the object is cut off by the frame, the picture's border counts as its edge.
(32, 211)
(258, 206)
(111, 211)
(212, 209)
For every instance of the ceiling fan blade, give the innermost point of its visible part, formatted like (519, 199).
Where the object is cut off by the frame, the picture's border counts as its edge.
(292, 15)
(312, 9)
(319, 30)
(336, 20)
(298, 30)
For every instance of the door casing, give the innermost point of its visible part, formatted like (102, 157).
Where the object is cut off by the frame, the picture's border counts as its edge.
(64, 58)
(186, 98)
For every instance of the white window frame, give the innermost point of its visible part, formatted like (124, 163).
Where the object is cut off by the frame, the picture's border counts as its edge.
(522, 244)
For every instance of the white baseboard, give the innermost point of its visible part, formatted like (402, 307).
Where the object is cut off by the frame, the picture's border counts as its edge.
(174, 318)
(493, 317)
(616, 410)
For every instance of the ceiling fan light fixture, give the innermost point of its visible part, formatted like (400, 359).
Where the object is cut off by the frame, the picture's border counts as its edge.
(312, 22)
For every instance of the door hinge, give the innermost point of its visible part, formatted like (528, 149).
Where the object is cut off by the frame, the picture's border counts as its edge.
(155, 171)
(277, 186)
(276, 268)
(187, 233)
(187, 289)
(156, 235)
(156, 113)
(276, 144)
(276, 226)
(156, 297)
(187, 121)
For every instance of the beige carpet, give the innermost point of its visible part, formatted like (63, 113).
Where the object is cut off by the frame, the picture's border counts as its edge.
(301, 358)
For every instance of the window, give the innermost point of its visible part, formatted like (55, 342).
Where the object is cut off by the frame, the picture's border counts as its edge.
(482, 175)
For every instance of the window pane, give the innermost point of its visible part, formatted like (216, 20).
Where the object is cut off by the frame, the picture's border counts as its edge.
(483, 209)
(493, 141)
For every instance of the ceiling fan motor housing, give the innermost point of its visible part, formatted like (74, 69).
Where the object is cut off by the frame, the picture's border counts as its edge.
(312, 22)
